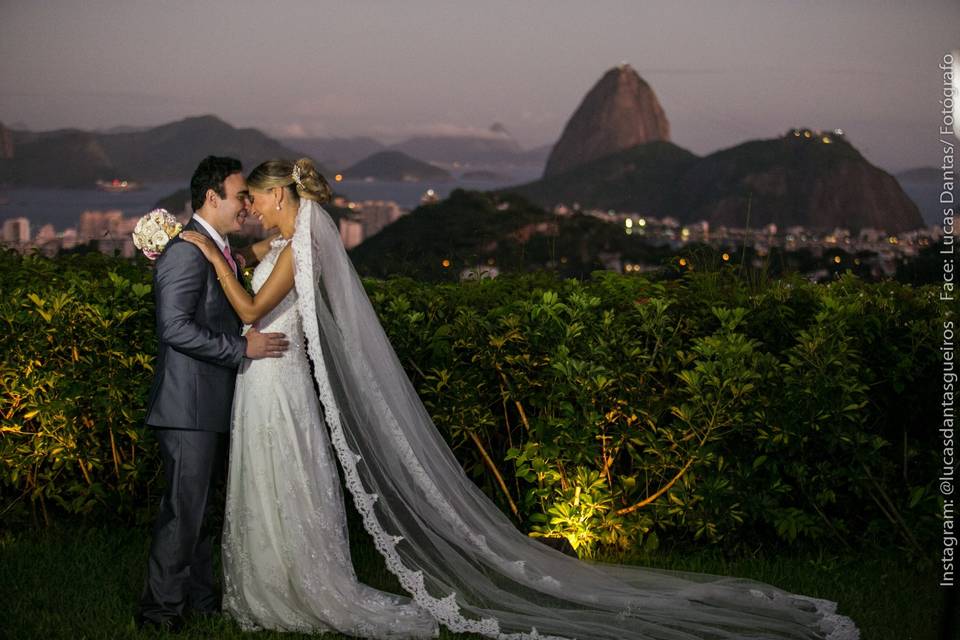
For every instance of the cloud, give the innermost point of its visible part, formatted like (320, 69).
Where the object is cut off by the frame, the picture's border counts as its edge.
(292, 130)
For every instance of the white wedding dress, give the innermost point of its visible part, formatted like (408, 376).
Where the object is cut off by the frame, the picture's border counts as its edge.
(340, 395)
(285, 553)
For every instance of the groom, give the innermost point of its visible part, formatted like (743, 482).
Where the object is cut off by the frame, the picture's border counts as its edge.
(192, 395)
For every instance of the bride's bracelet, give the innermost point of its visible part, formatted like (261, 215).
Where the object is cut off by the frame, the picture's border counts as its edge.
(221, 276)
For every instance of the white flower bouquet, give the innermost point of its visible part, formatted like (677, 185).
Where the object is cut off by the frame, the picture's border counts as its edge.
(154, 230)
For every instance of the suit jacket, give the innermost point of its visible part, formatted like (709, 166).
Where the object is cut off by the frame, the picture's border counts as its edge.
(200, 342)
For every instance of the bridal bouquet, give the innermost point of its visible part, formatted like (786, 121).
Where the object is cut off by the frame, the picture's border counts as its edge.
(154, 230)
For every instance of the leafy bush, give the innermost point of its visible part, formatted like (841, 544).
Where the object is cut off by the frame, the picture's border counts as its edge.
(616, 412)
(78, 345)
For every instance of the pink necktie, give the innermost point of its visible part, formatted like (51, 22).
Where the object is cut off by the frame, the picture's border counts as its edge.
(226, 254)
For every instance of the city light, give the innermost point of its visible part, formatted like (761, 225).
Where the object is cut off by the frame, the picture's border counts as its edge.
(445, 263)
(726, 257)
(338, 177)
(836, 259)
(683, 262)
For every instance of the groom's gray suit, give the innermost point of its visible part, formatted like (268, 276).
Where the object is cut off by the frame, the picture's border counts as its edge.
(189, 408)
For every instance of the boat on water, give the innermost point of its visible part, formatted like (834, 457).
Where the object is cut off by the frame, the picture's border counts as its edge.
(117, 185)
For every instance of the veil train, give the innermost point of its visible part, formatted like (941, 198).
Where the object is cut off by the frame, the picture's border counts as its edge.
(450, 546)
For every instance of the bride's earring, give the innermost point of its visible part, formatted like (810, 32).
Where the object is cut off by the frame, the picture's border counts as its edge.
(278, 206)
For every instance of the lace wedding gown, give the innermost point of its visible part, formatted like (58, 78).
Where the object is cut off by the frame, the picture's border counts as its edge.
(462, 561)
(286, 555)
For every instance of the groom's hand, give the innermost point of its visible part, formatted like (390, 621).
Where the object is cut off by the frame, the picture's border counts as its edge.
(265, 345)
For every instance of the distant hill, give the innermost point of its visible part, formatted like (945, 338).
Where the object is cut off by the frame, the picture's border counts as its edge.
(795, 180)
(336, 153)
(471, 229)
(619, 112)
(642, 178)
(535, 156)
(120, 129)
(483, 174)
(494, 147)
(460, 229)
(63, 158)
(394, 165)
(170, 152)
(792, 180)
(921, 174)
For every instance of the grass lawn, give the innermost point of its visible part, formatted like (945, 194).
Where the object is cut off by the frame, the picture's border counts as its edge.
(73, 581)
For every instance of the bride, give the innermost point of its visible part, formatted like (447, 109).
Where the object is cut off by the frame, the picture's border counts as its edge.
(341, 391)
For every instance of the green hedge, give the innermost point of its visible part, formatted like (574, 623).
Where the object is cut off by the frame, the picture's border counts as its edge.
(615, 412)
(78, 346)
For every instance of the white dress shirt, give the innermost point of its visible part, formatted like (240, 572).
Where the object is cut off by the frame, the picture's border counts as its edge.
(221, 241)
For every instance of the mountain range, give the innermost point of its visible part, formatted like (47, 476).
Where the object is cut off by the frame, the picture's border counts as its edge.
(615, 153)
(396, 166)
(336, 153)
(792, 180)
(75, 158)
(495, 148)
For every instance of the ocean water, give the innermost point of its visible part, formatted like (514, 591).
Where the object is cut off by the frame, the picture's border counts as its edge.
(62, 207)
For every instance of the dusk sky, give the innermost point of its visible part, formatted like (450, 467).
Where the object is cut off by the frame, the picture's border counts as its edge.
(724, 71)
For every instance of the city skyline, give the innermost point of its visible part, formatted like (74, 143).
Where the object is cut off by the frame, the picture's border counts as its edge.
(724, 72)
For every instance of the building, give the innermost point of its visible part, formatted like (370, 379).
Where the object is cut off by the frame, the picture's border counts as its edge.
(377, 214)
(351, 232)
(69, 238)
(100, 225)
(16, 231)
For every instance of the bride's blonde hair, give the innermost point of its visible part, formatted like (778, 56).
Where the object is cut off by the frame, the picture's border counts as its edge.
(280, 173)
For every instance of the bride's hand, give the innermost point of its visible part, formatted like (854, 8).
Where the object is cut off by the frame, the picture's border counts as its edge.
(206, 245)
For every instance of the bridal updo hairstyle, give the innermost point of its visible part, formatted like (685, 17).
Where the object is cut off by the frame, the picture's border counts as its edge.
(279, 173)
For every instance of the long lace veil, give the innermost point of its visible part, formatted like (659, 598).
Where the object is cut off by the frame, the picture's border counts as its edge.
(450, 546)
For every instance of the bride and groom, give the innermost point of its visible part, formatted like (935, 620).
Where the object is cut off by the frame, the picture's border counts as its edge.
(315, 385)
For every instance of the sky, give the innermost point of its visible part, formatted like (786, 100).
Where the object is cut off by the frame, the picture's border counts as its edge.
(724, 71)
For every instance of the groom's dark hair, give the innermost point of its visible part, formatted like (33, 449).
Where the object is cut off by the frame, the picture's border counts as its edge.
(210, 174)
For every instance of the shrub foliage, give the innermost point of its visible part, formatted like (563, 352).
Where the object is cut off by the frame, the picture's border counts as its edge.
(614, 412)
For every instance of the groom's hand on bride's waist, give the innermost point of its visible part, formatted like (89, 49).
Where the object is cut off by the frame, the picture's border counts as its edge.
(265, 345)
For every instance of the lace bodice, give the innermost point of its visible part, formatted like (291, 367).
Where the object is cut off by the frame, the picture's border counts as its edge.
(283, 318)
